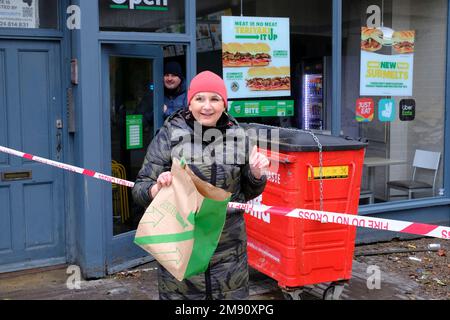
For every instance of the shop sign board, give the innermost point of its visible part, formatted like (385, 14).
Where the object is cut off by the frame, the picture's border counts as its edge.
(19, 14)
(256, 56)
(261, 108)
(386, 63)
(153, 5)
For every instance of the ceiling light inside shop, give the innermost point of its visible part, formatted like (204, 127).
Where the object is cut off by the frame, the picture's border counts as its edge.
(387, 32)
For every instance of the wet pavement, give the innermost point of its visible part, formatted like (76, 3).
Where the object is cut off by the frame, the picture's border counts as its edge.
(58, 283)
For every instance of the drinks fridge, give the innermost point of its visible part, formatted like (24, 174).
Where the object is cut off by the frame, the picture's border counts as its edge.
(314, 104)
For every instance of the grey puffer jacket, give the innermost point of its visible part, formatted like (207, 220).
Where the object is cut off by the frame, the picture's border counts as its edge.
(227, 275)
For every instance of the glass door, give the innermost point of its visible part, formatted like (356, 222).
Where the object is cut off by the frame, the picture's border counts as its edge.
(133, 100)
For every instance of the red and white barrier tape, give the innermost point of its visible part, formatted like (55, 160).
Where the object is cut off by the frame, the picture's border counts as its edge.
(68, 167)
(350, 220)
(321, 216)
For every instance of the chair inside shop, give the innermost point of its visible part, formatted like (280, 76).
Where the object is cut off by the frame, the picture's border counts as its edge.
(367, 194)
(424, 161)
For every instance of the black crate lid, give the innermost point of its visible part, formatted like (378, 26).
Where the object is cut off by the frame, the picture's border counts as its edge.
(294, 140)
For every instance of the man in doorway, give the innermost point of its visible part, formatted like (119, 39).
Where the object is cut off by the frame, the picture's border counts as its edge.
(174, 88)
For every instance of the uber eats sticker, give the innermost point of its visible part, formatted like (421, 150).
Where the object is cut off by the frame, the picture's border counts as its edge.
(407, 110)
(153, 5)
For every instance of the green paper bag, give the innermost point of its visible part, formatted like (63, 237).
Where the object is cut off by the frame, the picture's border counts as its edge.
(183, 224)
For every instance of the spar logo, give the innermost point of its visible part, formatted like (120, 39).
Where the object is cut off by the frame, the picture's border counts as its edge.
(156, 5)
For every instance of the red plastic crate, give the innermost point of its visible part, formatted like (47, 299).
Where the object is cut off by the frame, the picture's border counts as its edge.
(298, 252)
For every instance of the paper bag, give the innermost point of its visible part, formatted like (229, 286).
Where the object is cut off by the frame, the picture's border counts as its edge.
(183, 224)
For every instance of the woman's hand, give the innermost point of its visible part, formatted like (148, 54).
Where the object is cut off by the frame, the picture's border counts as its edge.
(258, 163)
(164, 180)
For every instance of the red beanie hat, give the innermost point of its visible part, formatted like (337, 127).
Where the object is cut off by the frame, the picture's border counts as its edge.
(207, 81)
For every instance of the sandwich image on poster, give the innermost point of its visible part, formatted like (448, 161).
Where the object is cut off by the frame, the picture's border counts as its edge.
(251, 43)
(371, 39)
(403, 41)
(235, 54)
(268, 78)
(387, 62)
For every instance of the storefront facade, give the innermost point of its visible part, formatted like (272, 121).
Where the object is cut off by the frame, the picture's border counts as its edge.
(83, 71)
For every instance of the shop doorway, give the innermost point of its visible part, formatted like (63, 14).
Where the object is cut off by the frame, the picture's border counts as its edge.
(133, 100)
(32, 222)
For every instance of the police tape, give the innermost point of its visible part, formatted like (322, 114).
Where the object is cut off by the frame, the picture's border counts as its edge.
(68, 167)
(255, 209)
(347, 219)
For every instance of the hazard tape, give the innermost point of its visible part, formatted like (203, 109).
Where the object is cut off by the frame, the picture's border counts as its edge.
(255, 209)
(68, 167)
(348, 219)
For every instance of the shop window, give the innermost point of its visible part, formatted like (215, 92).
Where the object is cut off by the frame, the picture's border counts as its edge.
(393, 92)
(166, 16)
(309, 40)
(29, 14)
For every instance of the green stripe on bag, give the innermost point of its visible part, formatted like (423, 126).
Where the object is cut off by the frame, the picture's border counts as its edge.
(209, 222)
(165, 238)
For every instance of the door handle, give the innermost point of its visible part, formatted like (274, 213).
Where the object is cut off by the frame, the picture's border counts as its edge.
(59, 126)
(58, 145)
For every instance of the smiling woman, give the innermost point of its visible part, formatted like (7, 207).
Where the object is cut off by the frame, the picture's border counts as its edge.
(207, 107)
(227, 274)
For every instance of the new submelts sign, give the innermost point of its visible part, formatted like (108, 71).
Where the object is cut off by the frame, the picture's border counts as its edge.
(19, 14)
(383, 73)
(255, 56)
(157, 5)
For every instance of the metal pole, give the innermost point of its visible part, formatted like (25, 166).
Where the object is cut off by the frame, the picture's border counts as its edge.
(337, 68)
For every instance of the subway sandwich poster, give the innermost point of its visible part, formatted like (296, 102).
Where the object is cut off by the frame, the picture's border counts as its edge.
(255, 56)
(386, 62)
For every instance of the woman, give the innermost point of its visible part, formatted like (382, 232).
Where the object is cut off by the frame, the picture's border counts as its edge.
(227, 274)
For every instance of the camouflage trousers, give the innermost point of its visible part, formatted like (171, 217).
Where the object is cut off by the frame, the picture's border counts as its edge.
(228, 279)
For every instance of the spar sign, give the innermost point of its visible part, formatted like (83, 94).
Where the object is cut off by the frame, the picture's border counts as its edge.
(158, 5)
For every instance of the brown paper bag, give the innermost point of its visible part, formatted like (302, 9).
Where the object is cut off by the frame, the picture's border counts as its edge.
(183, 224)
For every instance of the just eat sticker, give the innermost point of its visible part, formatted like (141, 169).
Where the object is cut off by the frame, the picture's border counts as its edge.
(386, 110)
(407, 110)
(364, 109)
